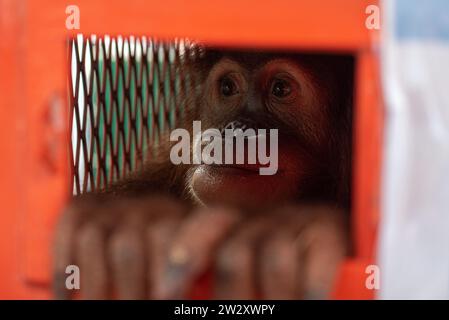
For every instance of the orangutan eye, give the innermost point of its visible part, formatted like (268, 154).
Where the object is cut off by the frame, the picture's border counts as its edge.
(281, 88)
(228, 87)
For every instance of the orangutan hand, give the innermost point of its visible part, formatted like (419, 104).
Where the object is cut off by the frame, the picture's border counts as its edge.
(157, 248)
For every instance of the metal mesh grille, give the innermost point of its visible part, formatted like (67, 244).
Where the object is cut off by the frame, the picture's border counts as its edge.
(124, 94)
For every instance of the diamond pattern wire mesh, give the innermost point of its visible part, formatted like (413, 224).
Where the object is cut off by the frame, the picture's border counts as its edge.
(124, 93)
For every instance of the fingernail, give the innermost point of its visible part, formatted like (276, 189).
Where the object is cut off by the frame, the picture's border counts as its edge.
(176, 275)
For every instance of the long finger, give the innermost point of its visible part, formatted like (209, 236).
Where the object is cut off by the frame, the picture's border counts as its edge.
(92, 261)
(192, 250)
(64, 244)
(327, 245)
(127, 263)
(281, 266)
(236, 263)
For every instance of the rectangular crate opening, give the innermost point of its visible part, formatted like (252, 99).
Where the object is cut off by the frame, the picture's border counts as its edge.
(128, 92)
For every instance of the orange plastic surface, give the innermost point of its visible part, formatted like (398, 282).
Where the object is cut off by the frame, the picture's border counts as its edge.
(34, 170)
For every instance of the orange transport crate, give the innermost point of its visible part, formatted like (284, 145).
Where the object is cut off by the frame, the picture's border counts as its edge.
(34, 126)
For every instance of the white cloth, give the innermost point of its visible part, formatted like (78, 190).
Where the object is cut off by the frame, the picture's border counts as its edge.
(413, 247)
